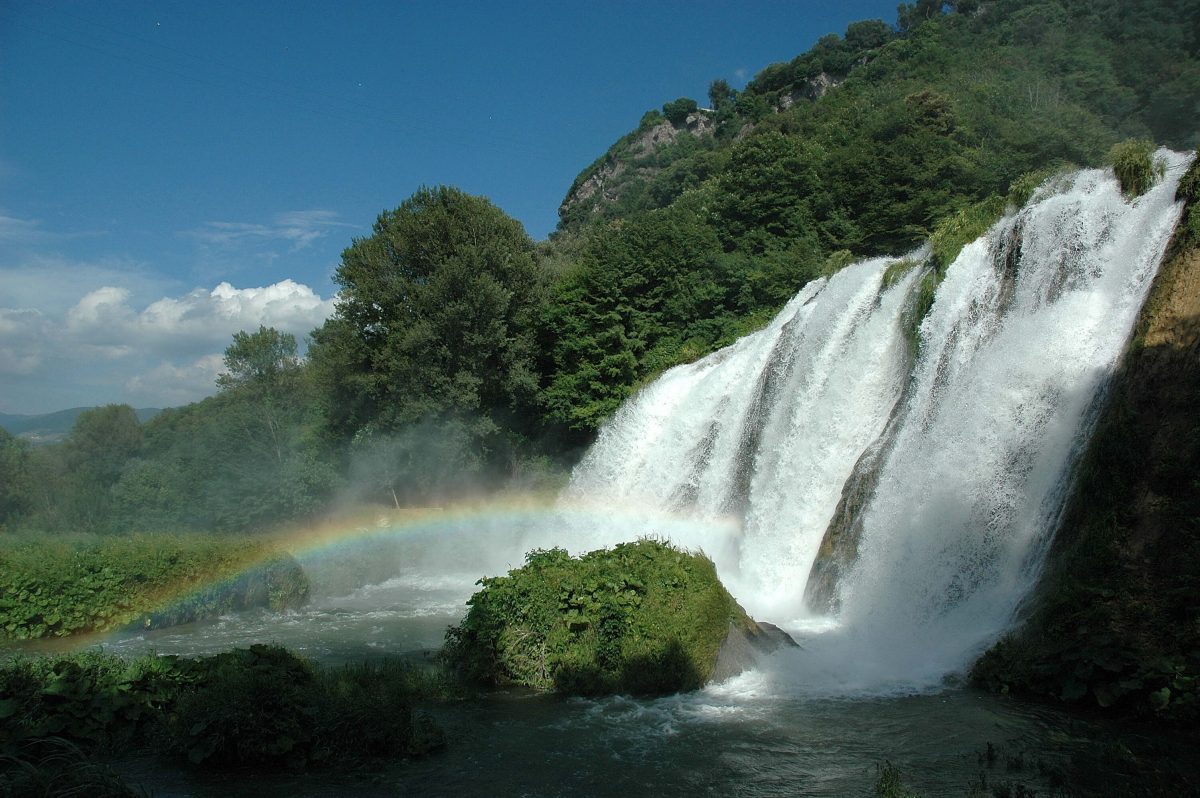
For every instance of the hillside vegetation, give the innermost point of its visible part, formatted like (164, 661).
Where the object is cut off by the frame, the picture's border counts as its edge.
(464, 355)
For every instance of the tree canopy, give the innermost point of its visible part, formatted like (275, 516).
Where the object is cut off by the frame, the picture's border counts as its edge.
(435, 319)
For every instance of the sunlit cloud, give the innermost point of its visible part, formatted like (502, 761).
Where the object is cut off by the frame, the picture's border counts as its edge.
(108, 345)
(53, 283)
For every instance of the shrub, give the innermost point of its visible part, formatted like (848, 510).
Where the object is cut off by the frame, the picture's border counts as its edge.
(1135, 166)
(262, 706)
(641, 618)
(677, 111)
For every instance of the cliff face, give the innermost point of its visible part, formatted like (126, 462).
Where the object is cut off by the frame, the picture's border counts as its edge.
(632, 160)
(1116, 620)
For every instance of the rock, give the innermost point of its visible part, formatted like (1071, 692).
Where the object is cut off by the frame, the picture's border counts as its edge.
(744, 647)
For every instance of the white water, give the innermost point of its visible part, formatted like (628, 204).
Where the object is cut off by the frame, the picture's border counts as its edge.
(744, 455)
(1014, 356)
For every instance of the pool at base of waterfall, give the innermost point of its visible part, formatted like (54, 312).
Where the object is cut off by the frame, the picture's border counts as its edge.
(787, 728)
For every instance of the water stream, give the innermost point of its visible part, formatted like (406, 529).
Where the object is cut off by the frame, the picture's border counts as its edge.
(973, 425)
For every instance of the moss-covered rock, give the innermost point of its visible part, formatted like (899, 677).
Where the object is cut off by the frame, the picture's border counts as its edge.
(642, 618)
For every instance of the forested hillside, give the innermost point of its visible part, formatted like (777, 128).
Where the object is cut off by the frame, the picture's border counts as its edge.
(465, 355)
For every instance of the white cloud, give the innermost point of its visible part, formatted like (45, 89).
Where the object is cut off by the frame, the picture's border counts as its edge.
(169, 384)
(54, 283)
(298, 228)
(165, 352)
(13, 228)
(23, 333)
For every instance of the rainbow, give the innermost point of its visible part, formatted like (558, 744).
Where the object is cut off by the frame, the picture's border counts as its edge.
(462, 523)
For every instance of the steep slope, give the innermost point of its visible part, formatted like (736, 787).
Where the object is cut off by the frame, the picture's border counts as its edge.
(700, 224)
(1116, 619)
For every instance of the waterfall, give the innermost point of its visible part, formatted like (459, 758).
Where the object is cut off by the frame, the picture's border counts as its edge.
(957, 460)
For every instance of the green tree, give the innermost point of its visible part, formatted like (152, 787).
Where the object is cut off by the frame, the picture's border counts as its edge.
(677, 111)
(435, 320)
(263, 366)
(721, 95)
(101, 443)
(14, 478)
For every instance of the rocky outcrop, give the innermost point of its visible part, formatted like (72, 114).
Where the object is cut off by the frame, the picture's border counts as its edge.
(745, 646)
(812, 89)
(635, 159)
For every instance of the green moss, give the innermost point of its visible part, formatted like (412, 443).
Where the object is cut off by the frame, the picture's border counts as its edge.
(897, 270)
(960, 229)
(640, 618)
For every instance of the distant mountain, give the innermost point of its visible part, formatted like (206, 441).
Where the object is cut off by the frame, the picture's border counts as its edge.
(53, 427)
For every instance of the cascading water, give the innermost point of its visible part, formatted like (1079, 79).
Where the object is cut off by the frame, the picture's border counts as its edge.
(920, 470)
(967, 482)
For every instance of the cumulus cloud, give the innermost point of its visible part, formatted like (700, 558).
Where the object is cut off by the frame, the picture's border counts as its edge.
(164, 352)
(53, 283)
(198, 320)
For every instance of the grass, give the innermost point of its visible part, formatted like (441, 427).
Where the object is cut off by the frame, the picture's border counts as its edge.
(263, 706)
(59, 586)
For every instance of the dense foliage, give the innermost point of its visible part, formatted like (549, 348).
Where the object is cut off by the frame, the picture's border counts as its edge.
(866, 143)
(640, 618)
(67, 586)
(261, 706)
(435, 326)
(462, 355)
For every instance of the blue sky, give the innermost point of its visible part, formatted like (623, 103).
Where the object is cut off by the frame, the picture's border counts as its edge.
(173, 172)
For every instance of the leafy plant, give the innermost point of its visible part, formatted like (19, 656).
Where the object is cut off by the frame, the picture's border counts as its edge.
(641, 618)
(1135, 166)
(71, 585)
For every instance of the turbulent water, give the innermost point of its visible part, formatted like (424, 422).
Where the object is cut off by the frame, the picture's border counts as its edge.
(970, 443)
(938, 458)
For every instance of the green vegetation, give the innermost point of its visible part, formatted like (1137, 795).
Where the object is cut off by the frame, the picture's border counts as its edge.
(641, 618)
(263, 706)
(867, 143)
(66, 586)
(465, 357)
(250, 457)
(1134, 165)
(52, 767)
(888, 784)
(433, 335)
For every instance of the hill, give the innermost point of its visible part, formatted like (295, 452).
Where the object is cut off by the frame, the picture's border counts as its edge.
(696, 225)
(53, 427)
